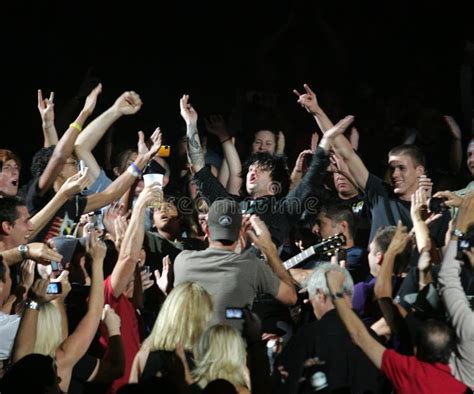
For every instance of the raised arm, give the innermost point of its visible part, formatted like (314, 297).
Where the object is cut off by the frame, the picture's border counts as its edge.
(262, 239)
(193, 143)
(128, 103)
(113, 367)
(340, 143)
(232, 180)
(393, 313)
(452, 291)
(26, 335)
(69, 189)
(133, 240)
(356, 328)
(65, 146)
(123, 183)
(76, 344)
(46, 110)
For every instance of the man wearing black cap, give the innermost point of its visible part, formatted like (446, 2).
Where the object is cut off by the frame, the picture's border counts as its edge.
(234, 279)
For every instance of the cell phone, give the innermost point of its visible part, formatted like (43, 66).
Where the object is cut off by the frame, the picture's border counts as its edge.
(54, 288)
(82, 167)
(234, 313)
(164, 151)
(55, 267)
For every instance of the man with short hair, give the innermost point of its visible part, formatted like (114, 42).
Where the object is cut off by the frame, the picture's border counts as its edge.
(427, 372)
(234, 279)
(323, 348)
(388, 203)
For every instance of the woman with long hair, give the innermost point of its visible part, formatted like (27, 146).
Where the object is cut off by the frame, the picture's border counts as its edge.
(221, 354)
(184, 316)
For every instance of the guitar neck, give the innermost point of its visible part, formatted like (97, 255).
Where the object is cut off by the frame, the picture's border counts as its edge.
(295, 260)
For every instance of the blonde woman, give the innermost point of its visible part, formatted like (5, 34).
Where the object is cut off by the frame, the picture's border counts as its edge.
(43, 328)
(221, 354)
(184, 316)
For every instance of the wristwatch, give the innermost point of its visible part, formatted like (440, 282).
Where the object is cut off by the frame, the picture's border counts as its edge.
(339, 294)
(23, 249)
(32, 304)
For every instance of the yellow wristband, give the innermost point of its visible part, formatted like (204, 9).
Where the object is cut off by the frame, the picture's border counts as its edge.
(77, 126)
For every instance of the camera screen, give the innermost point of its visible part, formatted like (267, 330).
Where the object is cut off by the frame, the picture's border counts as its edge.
(234, 313)
(54, 288)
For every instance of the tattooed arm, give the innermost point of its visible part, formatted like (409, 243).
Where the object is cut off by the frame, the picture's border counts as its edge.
(195, 153)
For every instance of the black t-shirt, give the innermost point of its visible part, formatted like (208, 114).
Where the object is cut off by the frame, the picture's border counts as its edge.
(387, 209)
(345, 365)
(66, 218)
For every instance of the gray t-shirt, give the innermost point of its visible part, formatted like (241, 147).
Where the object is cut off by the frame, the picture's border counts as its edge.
(232, 279)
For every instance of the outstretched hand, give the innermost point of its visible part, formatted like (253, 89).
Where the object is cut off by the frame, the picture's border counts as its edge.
(187, 111)
(163, 279)
(308, 100)
(91, 99)
(260, 235)
(46, 108)
(143, 150)
(399, 240)
(75, 184)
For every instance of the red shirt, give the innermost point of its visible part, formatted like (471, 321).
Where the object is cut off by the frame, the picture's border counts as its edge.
(128, 329)
(410, 375)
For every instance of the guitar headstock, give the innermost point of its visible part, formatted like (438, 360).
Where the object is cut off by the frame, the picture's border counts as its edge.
(332, 244)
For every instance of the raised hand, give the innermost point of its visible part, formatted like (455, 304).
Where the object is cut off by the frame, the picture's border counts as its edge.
(46, 109)
(63, 278)
(418, 204)
(280, 145)
(150, 193)
(451, 198)
(453, 127)
(96, 248)
(91, 99)
(143, 150)
(308, 100)
(300, 160)
(335, 131)
(215, 124)
(75, 184)
(147, 282)
(188, 113)
(128, 103)
(163, 279)
(426, 184)
(260, 235)
(38, 292)
(399, 240)
(120, 228)
(41, 252)
(354, 138)
(111, 320)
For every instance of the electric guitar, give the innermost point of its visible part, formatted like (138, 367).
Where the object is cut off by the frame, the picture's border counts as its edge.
(326, 246)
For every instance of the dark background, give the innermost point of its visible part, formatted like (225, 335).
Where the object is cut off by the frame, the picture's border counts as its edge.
(361, 57)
